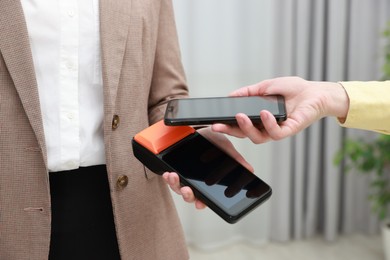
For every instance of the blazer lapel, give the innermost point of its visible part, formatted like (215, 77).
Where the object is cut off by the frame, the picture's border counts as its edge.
(16, 51)
(114, 28)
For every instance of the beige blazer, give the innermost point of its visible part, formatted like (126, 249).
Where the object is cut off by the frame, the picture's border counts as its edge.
(141, 71)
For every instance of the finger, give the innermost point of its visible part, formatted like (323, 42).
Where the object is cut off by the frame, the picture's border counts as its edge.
(188, 194)
(173, 180)
(243, 91)
(255, 134)
(271, 127)
(165, 177)
(199, 204)
(257, 89)
(228, 129)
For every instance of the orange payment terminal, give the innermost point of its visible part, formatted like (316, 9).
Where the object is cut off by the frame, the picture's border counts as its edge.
(222, 183)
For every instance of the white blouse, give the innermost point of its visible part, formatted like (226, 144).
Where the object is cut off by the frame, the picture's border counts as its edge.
(65, 44)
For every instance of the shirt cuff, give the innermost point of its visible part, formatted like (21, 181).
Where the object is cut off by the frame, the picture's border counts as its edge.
(369, 105)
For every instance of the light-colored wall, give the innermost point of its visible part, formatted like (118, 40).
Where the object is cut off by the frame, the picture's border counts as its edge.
(226, 44)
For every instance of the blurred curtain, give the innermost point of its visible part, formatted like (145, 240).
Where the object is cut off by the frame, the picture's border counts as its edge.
(228, 44)
(329, 40)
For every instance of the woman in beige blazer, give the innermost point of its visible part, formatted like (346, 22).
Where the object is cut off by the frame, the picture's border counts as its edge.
(141, 71)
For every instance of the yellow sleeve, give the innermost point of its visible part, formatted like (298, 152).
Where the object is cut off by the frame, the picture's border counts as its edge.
(369, 105)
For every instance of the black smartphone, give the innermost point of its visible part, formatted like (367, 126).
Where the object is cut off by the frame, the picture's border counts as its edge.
(217, 179)
(210, 110)
(222, 183)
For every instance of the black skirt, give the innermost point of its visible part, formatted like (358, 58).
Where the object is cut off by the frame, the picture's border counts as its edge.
(82, 218)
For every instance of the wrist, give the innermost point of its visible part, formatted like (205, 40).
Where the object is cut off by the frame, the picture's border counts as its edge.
(339, 101)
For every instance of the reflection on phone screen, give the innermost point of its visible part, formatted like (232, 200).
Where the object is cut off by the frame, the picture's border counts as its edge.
(210, 170)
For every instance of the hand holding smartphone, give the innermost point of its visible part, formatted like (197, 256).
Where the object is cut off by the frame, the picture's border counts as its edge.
(216, 178)
(203, 111)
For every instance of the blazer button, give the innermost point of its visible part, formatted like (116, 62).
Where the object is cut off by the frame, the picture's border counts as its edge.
(115, 122)
(122, 181)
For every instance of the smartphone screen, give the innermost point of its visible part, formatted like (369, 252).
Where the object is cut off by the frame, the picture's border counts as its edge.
(229, 188)
(196, 111)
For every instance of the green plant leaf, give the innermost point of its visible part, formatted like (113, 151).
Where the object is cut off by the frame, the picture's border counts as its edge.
(372, 157)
